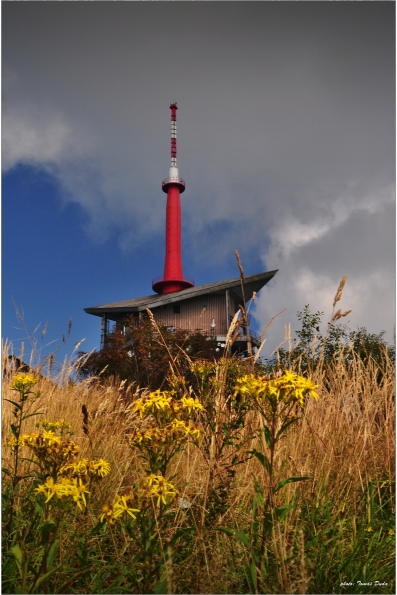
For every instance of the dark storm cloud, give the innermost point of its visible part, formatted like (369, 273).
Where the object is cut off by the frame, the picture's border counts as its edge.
(286, 121)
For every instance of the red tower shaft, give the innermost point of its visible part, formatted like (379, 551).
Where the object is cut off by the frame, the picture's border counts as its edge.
(173, 278)
(173, 259)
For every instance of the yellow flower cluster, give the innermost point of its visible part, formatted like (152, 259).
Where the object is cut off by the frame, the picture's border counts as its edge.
(157, 400)
(52, 426)
(47, 443)
(183, 429)
(189, 403)
(154, 488)
(202, 368)
(85, 468)
(66, 488)
(23, 382)
(122, 503)
(288, 388)
(163, 401)
(158, 488)
(176, 430)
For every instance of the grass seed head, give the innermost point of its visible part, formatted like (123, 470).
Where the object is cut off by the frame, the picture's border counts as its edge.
(338, 294)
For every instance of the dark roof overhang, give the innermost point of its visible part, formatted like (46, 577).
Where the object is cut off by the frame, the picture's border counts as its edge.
(115, 310)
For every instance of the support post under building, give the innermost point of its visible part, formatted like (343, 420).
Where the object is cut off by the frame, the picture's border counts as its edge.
(104, 330)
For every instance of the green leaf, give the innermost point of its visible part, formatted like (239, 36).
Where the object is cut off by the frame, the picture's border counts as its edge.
(234, 533)
(14, 430)
(259, 493)
(229, 532)
(160, 587)
(262, 459)
(39, 508)
(45, 576)
(4, 470)
(18, 478)
(243, 538)
(18, 553)
(30, 460)
(96, 582)
(98, 527)
(253, 576)
(32, 414)
(52, 553)
(285, 426)
(284, 482)
(65, 587)
(26, 476)
(180, 533)
(282, 511)
(268, 437)
(268, 521)
(47, 529)
(17, 405)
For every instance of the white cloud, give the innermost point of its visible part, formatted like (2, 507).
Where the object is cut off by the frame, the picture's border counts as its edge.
(353, 236)
(31, 136)
(290, 233)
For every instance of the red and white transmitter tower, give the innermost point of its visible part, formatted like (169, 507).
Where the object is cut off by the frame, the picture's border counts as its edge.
(173, 278)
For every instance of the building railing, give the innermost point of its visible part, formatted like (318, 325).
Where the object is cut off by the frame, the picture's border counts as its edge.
(173, 179)
(255, 335)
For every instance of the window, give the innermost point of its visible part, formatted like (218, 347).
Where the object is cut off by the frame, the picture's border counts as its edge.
(177, 308)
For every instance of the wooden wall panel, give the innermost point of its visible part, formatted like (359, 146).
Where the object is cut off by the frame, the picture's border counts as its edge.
(196, 314)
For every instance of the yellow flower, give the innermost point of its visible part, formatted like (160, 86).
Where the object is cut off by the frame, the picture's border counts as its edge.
(65, 488)
(75, 469)
(150, 479)
(189, 403)
(18, 441)
(156, 400)
(156, 486)
(30, 438)
(369, 529)
(202, 368)
(49, 489)
(100, 467)
(78, 492)
(85, 467)
(41, 489)
(121, 504)
(69, 449)
(53, 425)
(50, 438)
(391, 531)
(288, 388)
(23, 382)
(107, 514)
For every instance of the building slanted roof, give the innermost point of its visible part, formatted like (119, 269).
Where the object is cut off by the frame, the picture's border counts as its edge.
(115, 309)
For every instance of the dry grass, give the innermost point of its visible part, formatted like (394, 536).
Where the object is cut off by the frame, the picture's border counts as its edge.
(343, 441)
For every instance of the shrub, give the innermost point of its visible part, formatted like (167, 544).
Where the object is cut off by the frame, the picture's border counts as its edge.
(143, 353)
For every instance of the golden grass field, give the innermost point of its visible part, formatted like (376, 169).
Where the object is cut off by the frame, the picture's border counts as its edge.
(344, 441)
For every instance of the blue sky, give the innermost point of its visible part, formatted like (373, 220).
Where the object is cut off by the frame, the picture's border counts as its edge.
(286, 140)
(52, 269)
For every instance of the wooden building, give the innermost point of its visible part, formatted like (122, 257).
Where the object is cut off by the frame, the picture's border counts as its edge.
(206, 308)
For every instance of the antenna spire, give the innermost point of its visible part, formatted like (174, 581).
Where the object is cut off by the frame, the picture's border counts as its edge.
(173, 108)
